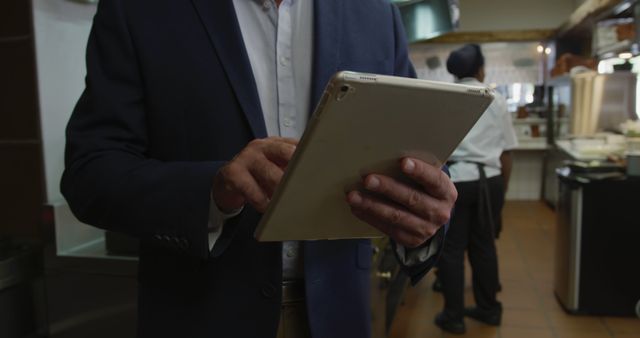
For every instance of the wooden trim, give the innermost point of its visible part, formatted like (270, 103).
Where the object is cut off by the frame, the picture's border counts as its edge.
(497, 36)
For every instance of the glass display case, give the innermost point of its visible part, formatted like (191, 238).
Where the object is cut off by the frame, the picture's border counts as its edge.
(524, 101)
(558, 108)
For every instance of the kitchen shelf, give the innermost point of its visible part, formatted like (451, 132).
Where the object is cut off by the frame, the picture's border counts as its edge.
(561, 80)
(614, 49)
(530, 120)
(531, 145)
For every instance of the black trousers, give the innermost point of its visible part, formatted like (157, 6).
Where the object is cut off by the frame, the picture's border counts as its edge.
(468, 232)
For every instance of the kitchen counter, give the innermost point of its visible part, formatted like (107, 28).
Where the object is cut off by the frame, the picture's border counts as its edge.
(532, 145)
(567, 147)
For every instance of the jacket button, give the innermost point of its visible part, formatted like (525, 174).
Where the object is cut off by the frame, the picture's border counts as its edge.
(268, 290)
(177, 242)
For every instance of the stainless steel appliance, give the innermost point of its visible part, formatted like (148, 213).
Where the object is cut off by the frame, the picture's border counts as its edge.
(427, 19)
(601, 102)
(596, 258)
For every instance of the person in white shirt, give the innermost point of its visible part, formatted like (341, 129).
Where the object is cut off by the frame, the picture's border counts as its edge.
(480, 168)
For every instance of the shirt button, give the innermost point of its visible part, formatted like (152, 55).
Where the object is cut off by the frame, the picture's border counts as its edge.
(288, 122)
(266, 4)
(291, 253)
(284, 60)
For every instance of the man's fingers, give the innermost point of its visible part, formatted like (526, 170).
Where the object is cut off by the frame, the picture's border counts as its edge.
(245, 183)
(391, 231)
(267, 174)
(397, 234)
(279, 153)
(386, 213)
(411, 198)
(254, 174)
(435, 182)
(287, 140)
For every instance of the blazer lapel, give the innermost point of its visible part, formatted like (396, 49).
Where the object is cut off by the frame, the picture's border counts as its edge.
(327, 34)
(221, 23)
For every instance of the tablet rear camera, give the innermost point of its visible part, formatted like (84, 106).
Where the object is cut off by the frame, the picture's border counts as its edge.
(344, 91)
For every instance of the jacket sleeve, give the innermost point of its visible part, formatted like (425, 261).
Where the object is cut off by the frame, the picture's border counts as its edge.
(109, 181)
(416, 263)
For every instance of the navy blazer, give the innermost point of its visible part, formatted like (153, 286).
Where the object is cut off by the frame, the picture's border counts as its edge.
(169, 98)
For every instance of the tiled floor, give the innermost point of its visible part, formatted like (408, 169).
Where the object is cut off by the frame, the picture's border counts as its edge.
(525, 254)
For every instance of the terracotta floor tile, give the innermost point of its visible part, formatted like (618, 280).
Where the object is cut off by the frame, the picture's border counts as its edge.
(524, 297)
(564, 321)
(476, 330)
(572, 333)
(551, 304)
(414, 328)
(623, 325)
(513, 318)
(513, 332)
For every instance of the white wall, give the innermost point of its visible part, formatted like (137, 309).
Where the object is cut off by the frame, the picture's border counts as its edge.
(61, 32)
(501, 60)
(499, 15)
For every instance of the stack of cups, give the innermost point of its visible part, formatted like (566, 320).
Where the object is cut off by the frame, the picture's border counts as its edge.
(633, 156)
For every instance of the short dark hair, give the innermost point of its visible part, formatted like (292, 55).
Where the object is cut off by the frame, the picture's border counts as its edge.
(465, 61)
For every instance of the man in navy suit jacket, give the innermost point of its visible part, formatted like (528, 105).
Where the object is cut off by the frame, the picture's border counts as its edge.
(166, 125)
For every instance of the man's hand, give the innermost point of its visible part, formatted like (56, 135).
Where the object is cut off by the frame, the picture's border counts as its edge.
(409, 215)
(253, 175)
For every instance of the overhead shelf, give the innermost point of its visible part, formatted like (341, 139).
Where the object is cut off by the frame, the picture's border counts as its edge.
(562, 80)
(619, 47)
(582, 19)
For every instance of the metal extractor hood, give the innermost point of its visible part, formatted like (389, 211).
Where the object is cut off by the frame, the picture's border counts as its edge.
(427, 19)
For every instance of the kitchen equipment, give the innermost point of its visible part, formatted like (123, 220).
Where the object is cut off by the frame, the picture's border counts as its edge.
(601, 102)
(633, 156)
(427, 19)
(596, 245)
(588, 167)
(633, 164)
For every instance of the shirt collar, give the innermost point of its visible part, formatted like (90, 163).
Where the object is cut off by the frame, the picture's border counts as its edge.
(469, 80)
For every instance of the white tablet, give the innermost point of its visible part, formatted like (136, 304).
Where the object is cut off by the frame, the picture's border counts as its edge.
(364, 124)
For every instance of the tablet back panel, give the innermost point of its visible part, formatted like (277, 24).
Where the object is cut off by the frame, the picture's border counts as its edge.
(364, 124)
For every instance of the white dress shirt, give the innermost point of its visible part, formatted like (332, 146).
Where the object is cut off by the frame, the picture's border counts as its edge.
(492, 134)
(279, 43)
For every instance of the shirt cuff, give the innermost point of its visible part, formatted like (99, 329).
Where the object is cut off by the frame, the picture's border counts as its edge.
(412, 257)
(217, 218)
